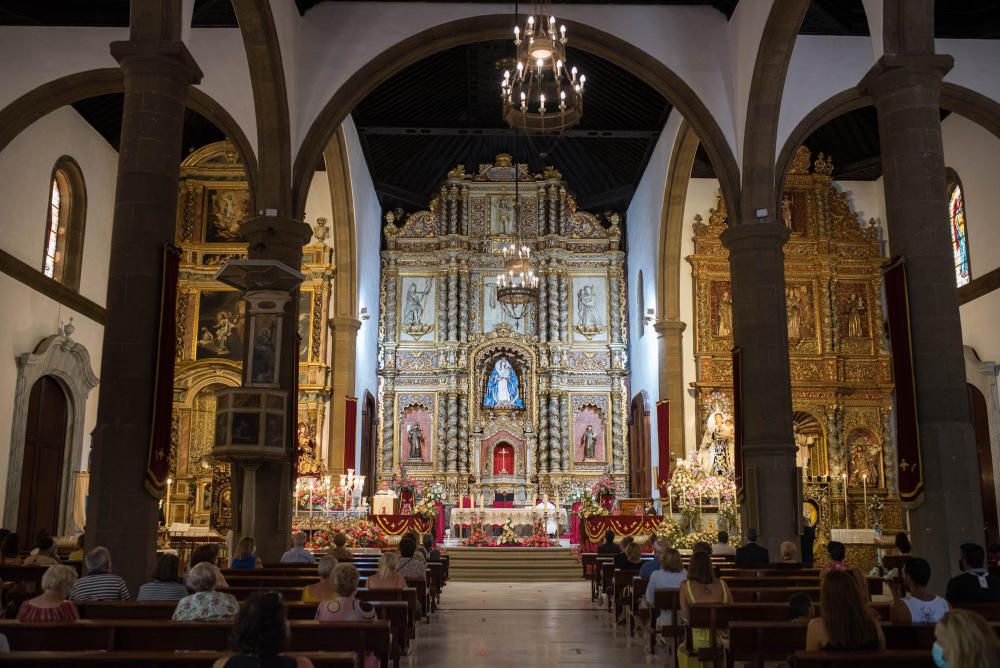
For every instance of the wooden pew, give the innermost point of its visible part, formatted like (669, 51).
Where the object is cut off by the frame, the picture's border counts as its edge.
(891, 659)
(420, 584)
(989, 611)
(636, 612)
(667, 600)
(244, 593)
(435, 581)
(157, 659)
(621, 584)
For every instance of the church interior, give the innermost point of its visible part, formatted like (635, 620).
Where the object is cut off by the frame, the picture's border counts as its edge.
(536, 311)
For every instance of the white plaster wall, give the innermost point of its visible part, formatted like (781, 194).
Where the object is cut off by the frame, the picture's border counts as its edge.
(874, 12)
(744, 31)
(25, 169)
(367, 221)
(643, 219)
(975, 64)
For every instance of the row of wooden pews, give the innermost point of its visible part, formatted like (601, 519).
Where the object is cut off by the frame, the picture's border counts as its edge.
(142, 633)
(756, 627)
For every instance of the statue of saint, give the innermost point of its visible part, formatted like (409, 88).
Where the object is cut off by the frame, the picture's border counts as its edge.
(413, 310)
(586, 307)
(786, 211)
(505, 219)
(415, 436)
(793, 307)
(803, 454)
(716, 451)
(589, 441)
(725, 314)
(503, 389)
(855, 310)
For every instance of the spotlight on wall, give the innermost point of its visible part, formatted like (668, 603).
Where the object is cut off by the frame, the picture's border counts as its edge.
(363, 314)
(650, 315)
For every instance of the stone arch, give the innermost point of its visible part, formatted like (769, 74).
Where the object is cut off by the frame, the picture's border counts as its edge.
(33, 105)
(497, 26)
(68, 361)
(774, 53)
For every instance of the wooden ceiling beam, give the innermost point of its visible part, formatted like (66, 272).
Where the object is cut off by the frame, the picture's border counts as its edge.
(501, 132)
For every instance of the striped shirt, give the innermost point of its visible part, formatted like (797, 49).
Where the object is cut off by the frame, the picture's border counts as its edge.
(162, 591)
(99, 587)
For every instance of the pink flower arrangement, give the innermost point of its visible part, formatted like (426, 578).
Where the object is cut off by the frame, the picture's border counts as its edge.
(478, 538)
(604, 486)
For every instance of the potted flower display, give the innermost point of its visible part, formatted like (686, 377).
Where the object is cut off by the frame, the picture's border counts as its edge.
(478, 538)
(538, 537)
(507, 537)
(605, 491)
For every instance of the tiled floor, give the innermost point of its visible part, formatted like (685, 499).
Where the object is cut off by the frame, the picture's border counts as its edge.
(525, 624)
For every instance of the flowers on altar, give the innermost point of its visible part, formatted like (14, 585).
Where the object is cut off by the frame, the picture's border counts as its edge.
(359, 531)
(365, 534)
(605, 486)
(478, 538)
(404, 483)
(714, 487)
(591, 508)
(425, 508)
(577, 492)
(674, 535)
(436, 492)
(508, 537)
(538, 537)
(685, 477)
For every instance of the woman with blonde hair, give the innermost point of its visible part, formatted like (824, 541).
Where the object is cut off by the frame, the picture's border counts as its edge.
(846, 623)
(789, 553)
(701, 586)
(963, 639)
(51, 605)
(386, 576)
(323, 589)
(245, 554)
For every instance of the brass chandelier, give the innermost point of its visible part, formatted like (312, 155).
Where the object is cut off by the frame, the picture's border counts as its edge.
(543, 93)
(517, 284)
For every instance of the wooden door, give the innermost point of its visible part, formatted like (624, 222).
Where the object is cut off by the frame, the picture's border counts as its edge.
(42, 465)
(981, 425)
(369, 428)
(638, 447)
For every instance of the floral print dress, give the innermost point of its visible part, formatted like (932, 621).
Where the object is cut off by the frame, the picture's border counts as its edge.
(206, 606)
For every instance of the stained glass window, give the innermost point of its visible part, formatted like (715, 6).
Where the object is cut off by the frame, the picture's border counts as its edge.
(52, 231)
(959, 237)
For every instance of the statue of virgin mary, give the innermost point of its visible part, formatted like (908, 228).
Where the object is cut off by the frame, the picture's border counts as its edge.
(503, 389)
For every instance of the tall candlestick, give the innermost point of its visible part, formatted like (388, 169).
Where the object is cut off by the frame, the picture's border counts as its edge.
(847, 513)
(166, 505)
(312, 484)
(670, 501)
(864, 489)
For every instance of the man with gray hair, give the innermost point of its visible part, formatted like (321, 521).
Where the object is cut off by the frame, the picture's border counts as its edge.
(99, 584)
(650, 566)
(298, 554)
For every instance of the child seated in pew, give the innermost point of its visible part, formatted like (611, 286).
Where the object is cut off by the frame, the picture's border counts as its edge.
(51, 605)
(323, 589)
(260, 634)
(800, 607)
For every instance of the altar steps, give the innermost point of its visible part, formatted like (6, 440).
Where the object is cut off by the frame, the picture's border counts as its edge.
(513, 564)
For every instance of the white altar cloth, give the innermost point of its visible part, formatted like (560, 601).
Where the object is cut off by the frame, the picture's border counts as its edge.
(499, 516)
(854, 536)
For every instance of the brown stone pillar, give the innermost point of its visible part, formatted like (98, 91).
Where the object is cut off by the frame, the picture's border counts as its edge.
(121, 514)
(344, 339)
(670, 339)
(906, 90)
(757, 267)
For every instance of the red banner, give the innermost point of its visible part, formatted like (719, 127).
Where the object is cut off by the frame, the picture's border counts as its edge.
(395, 525)
(738, 422)
(909, 466)
(350, 427)
(663, 443)
(158, 461)
(622, 525)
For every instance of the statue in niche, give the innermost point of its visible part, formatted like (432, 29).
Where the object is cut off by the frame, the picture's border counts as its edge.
(865, 453)
(413, 311)
(856, 309)
(716, 451)
(586, 307)
(725, 314)
(786, 211)
(589, 441)
(505, 217)
(793, 309)
(415, 436)
(503, 389)
(803, 454)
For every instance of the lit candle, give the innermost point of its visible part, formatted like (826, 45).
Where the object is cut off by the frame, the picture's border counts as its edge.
(312, 484)
(847, 514)
(670, 501)
(864, 489)
(298, 486)
(166, 505)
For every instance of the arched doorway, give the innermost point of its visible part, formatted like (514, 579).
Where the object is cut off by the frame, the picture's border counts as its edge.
(638, 447)
(42, 468)
(981, 424)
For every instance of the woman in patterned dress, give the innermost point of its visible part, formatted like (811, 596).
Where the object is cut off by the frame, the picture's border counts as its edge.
(205, 604)
(51, 605)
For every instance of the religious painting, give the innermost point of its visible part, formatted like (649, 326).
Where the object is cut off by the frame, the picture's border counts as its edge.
(588, 436)
(416, 319)
(721, 309)
(503, 388)
(416, 434)
(502, 220)
(221, 318)
(305, 324)
(864, 459)
(227, 211)
(263, 352)
(589, 308)
(853, 310)
(495, 313)
(799, 311)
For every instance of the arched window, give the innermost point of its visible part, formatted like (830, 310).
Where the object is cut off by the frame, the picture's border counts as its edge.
(64, 224)
(956, 226)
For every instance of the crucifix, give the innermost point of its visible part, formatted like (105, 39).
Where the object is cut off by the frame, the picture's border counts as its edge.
(503, 459)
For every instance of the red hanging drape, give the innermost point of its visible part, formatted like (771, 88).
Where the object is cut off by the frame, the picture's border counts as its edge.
(158, 461)
(663, 443)
(350, 427)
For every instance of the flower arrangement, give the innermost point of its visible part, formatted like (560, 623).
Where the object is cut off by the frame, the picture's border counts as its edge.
(591, 508)
(311, 495)
(605, 486)
(714, 487)
(671, 533)
(478, 538)
(875, 509)
(360, 533)
(538, 537)
(436, 492)
(365, 534)
(508, 537)
(337, 500)
(686, 476)
(404, 483)
(577, 492)
(425, 508)
(320, 541)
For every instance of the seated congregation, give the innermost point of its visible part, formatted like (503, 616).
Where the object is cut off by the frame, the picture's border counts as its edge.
(338, 609)
(723, 606)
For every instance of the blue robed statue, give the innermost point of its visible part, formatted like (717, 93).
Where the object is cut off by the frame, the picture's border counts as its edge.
(503, 389)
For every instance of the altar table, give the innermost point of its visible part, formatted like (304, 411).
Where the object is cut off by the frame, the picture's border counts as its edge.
(395, 525)
(499, 516)
(621, 525)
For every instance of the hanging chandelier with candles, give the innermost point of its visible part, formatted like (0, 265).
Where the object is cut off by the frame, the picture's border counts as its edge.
(517, 284)
(543, 93)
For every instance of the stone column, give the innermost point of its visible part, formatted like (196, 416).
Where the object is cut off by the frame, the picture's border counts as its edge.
(121, 514)
(564, 432)
(389, 427)
(463, 303)
(553, 198)
(615, 302)
(770, 485)
(543, 305)
(553, 309)
(464, 229)
(670, 338)
(452, 302)
(463, 432)
(906, 89)
(545, 452)
(555, 433)
(442, 431)
(343, 342)
(452, 434)
(564, 307)
(441, 281)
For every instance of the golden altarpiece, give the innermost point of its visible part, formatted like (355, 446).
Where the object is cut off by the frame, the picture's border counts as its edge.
(478, 396)
(840, 368)
(213, 200)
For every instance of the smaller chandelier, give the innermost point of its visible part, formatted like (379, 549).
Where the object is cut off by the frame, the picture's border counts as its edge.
(517, 285)
(543, 93)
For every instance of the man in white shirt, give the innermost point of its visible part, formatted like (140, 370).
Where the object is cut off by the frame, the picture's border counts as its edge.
(723, 548)
(298, 554)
